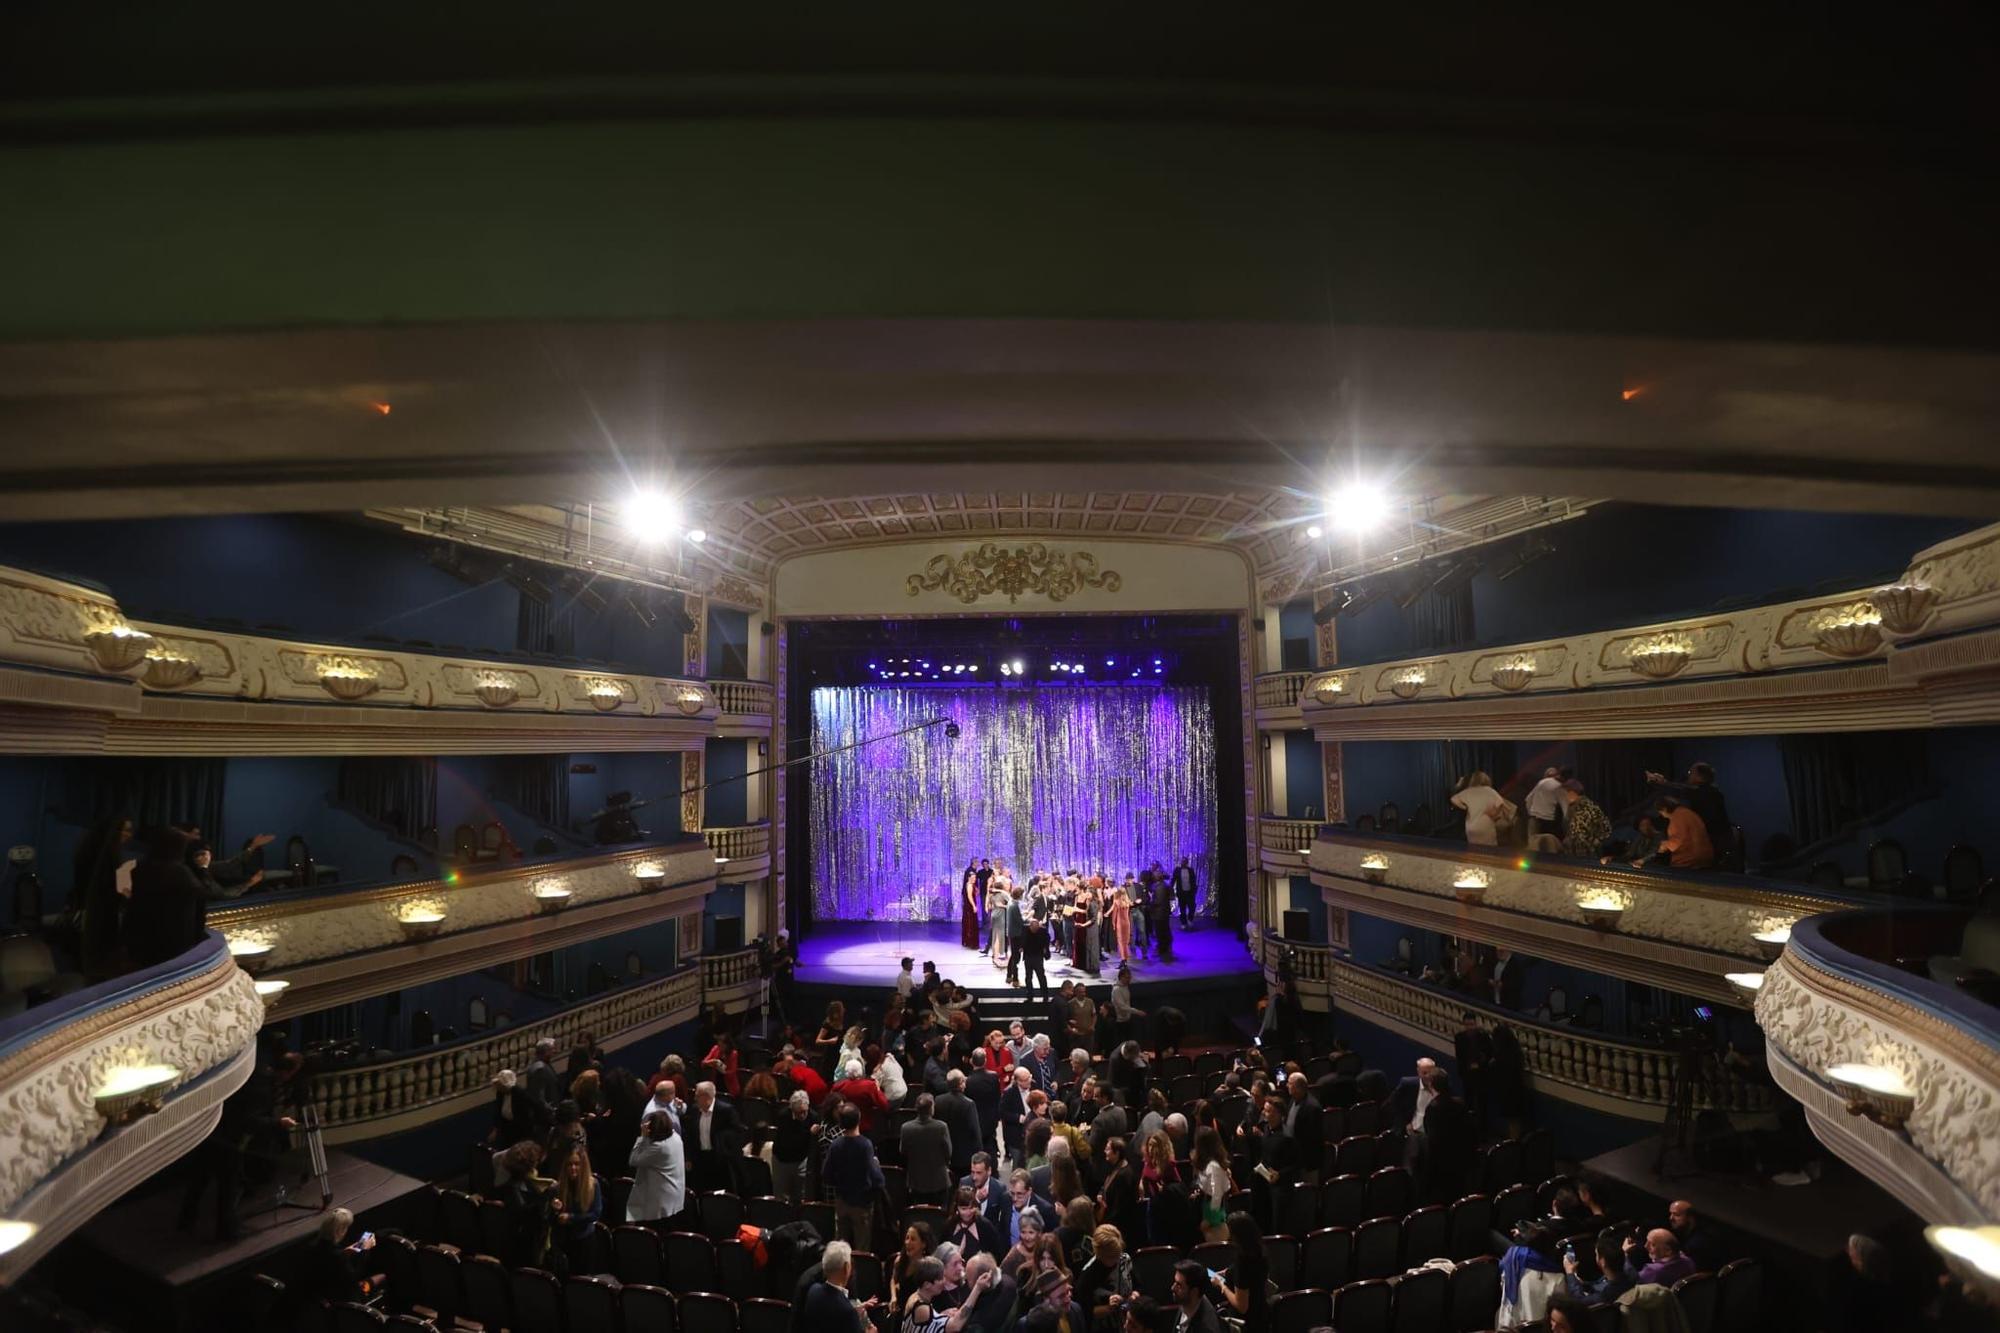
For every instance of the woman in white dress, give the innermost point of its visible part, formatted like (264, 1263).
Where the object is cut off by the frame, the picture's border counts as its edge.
(1485, 809)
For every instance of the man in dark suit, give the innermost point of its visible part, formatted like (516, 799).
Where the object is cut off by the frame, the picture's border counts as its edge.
(714, 1135)
(1191, 1287)
(1305, 1127)
(1472, 1048)
(935, 1066)
(1033, 945)
(982, 1089)
(927, 1150)
(991, 1306)
(1014, 1114)
(1016, 931)
(1119, 1203)
(1411, 1092)
(1506, 979)
(1184, 891)
(827, 1308)
(1056, 1310)
(1451, 1144)
(1019, 1200)
(961, 1117)
(543, 1086)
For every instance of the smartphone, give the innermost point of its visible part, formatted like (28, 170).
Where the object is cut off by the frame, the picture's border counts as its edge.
(1214, 1276)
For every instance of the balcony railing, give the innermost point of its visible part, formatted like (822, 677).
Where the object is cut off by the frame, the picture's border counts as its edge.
(729, 971)
(1676, 929)
(744, 698)
(1280, 689)
(1286, 835)
(1843, 994)
(362, 1101)
(1554, 1056)
(196, 1017)
(745, 843)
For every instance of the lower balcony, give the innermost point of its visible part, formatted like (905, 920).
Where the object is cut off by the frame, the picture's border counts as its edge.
(743, 707)
(1284, 844)
(178, 1038)
(732, 980)
(742, 854)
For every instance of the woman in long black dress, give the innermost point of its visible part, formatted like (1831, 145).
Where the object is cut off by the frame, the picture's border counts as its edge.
(968, 910)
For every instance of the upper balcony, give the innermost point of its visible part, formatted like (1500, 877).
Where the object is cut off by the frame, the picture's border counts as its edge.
(1899, 1072)
(1284, 844)
(78, 677)
(79, 1075)
(744, 707)
(1921, 652)
(741, 854)
(1277, 699)
(1681, 930)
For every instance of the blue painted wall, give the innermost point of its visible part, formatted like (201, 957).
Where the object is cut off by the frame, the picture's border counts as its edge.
(726, 900)
(1296, 633)
(1303, 788)
(728, 795)
(1302, 896)
(728, 643)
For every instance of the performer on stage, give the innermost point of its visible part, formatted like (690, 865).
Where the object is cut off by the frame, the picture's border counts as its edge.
(999, 906)
(1035, 945)
(1121, 923)
(1184, 891)
(971, 889)
(1163, 920)
(1085, 916)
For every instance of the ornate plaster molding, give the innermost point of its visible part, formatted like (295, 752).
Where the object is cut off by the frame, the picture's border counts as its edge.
(57, 1165)
(1815, 1019)
(1904, 672)
(991, 569)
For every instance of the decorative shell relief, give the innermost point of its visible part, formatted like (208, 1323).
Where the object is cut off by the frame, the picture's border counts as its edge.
(1330, 689)
(1513, 673)
(305, 667)
(1850, 630)
(1012, 572)
(1905, 606)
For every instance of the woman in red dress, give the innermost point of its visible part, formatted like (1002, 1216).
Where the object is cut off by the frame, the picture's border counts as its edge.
(968, 914)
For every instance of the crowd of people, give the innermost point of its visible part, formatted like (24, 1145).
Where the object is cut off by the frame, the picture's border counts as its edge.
(1086, 916)
(1684, 825)
(140, 900)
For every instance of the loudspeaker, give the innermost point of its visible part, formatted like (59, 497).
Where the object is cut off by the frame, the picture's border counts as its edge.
(1258, 624)
(766, 628)
(1298, 926)
(728, 934)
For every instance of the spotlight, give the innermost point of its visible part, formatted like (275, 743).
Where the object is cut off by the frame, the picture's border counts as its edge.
(1358, 506)
(1533, 547)
(652, 516)
(1335, 604)
(1109, 662)
(1017, 666)
(698, 535)
(1315, 532)
(951, 731)
(974, 668)
(1006, 670)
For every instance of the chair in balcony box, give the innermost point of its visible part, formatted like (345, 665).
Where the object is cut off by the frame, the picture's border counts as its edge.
(1426, 1234)
(1739, 1297)
(635, 1255)
(1378, 1247)
(1340, 1200)
(1419, 825)
(1281, 1257)
(1391, 1193)
(707, 1312)
(1326, 1257)
(1389, 819)
(1964, 873)
(1365, 1306)
(464, 844)
(1887, 865)
(689, 1260)
(1364, 824)
(1475, 1294)
(763, 1315)
(1302, 1311)
(1827, 875)
(488, 1291)
(1697, 1296)
(647, 1309)
(1471, 1227)
(1423, 1301)
(590, 1304)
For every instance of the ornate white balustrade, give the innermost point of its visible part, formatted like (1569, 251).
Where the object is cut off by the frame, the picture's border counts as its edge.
(1578, 1066)
(334, 946)
(1922, 651)
(1278, 693)
(1286, 835)
(738, 851)
(194, 1020)
(146, 688)
(731, 979)
(744, 698)
(367, 1100)
(1682, 931)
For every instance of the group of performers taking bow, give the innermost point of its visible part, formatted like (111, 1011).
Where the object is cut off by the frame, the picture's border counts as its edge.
(1088, 915)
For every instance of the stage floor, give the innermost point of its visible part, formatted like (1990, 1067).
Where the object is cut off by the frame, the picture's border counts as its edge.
(866, 953)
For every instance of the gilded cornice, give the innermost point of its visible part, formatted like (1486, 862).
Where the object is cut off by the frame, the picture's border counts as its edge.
(993, 570)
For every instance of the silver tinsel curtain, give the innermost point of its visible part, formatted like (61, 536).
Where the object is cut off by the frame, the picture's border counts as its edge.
(1105, 778)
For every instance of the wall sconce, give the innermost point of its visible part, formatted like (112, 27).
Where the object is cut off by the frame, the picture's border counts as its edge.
(269, 991)
(1772, 942)
(1513, 675)
(1904, 607)
(496, 691)
(763, 749)
(250, 955)
(131, 1091)
(347, 681)
(1407, 684)
(1375, 868)
(649, 875)
(1329, 690)
(1972, 1254)
(1601, 911)
(722, 860)
(118, 647)
(550, 898)
(420, 923)
(1469, 885)
(168, 670)
(13, 1235)
(691, 701)
(1266, 741)
(1661, 655)
(1745, 984)
(1848, 631)
(605, 695)
(1875, 1091)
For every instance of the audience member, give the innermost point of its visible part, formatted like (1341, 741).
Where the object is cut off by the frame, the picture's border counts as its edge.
(1544, 805)
(1055, 1311)
(854, 1178)
(827, 1307)
(1586, 829)
(927, 1152)
(1700, 794)
(1696, 1239)
(991, 1296)
(1190, 1291)
(1243, 1285)
(335, 1269)
(1658, 1260)
(1687, 845)
(659, 1174)
(1612, 1280)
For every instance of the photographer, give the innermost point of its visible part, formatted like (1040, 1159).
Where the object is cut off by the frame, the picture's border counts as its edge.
(1611, 1282)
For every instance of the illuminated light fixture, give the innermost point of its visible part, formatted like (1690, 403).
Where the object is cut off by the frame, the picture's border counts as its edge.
(420, 923)
(250, 955)
(604, 695)
(1875, 1091)
(1848, 631)
(496, 691)
(1904, 607)
(1601, 911)
(118, 647)
(1018, 668)
(974, 668)
(650, 875)
(130, 1091)
(1358, 507)
(1330, 689)
(691, 701)
(652, 516)
(1629, 394)
(697, 535)
(13, 1235)
(168, 670)
(1315, 532)
(1006, 670)
(1110, 662)
(269, 991)
(1745, 984)
(1407, 684)
(550, 897)
(1661, 655)
(1469, 885)
(1772, 942)
(1515, 673)
(1972, 1254)
(1375, 868)
(348, 680)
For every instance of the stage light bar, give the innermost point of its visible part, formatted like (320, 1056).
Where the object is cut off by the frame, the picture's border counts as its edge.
(1018, 668)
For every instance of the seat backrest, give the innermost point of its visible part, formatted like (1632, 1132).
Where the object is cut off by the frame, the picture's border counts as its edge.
(647, 1309)
(736, 1271)
(707, 1312)
(437, 1279)
(1364, 1307)
(350, 1318)
(458, 1220)
(1503, 1165)
(1364, 824)
(689, 1259)
(721, 1214)
(635, 1255)
(590, 1304)
(464, 842)
(1390, 1193)
(1378, 1247)
(1475, 1294)
(489, 1291)
(868, 1278)
(1538, 1154)
(537, 1299)
(1302, 1310)
(760, 1315)
(1886, 864)
(1422, 1301)
(296, 853)
(1964, 871)
(1471, 1226)
(1281, 1257)
(1153, 1271)
(1739, 1297)
(1426, 1235)
(1696, 1295)
(1827, 875)
(1326, 1257)
(1356, 1154)
(1340, 1200)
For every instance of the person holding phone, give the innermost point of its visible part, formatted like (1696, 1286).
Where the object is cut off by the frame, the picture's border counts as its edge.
(336, 1270)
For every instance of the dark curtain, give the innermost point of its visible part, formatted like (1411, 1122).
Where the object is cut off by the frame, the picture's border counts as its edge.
(1441, 620)
(1613, 773)
(1835, 780)
(535, 784)
(399, 792)
(150, 792)
(1440, 764)
(541, 628)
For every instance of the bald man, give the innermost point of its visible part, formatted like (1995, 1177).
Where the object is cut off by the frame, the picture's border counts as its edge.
(1660, 1261)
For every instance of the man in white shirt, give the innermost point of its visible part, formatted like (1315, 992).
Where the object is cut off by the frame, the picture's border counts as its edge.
(1413, 1097)
(905, 981)
(1545, 804)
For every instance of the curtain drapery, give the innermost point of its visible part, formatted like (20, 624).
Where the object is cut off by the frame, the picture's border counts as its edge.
(1835, 780)
(399, 792)
(150, 792)
(535, 784)
(1613, 772)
